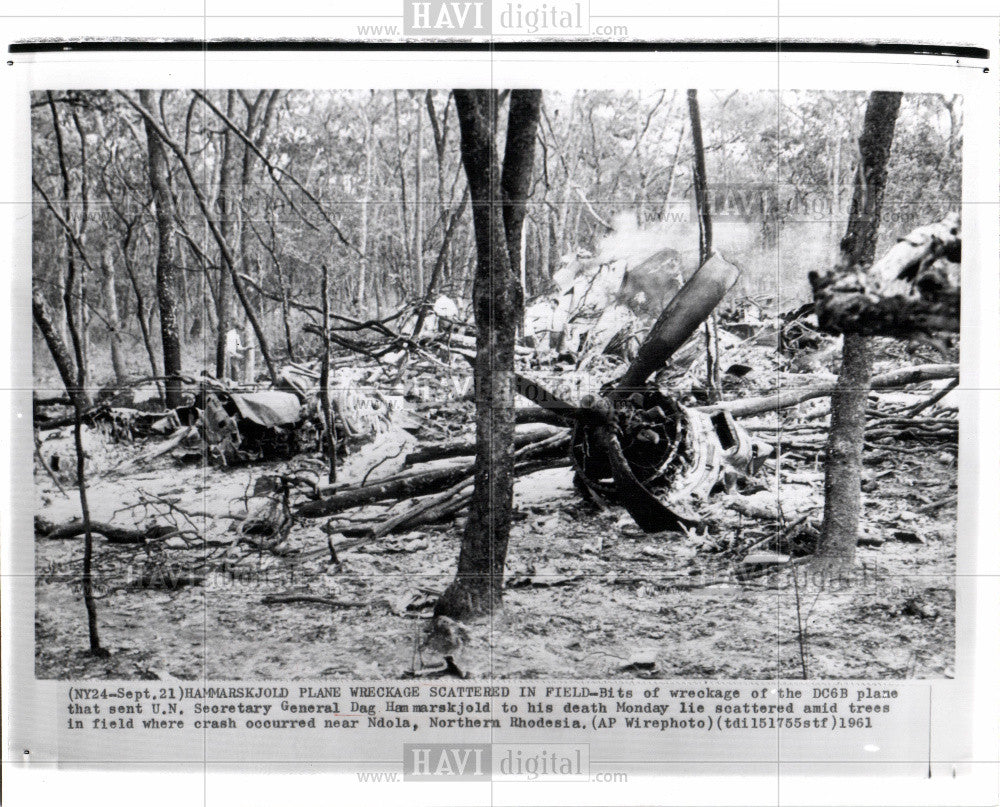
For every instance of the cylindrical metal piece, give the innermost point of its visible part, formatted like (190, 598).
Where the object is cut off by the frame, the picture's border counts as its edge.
(682, 316)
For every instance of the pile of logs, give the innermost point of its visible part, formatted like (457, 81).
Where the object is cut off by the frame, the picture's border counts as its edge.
(438, 492)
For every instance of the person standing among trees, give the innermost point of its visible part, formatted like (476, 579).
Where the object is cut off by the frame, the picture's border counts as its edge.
(234, 355)
(249, 354)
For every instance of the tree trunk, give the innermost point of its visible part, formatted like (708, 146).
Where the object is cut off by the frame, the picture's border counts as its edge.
(161, 138)
(518, 159)
(57, 347)
(667, 214)
(140, 316)
(713, 381)
(324, 380)
(71, 282)
(404, 216)
(835, 186)
(227, 202)
(842, 510)
(166, 280)
(84, 311)
(844, 445)
(260, 122)
(60, 287)
(418, 212)
(76, 386)
(83, 320)
(439, 264)
(113, 317)
(544, 250)
(369, 157)
(478, 585)
(700, 180)
(279, 274)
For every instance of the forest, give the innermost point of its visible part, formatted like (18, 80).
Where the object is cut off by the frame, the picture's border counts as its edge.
(660, 382)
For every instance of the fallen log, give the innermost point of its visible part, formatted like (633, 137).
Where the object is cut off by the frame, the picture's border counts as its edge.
(462, 341)
(104, 412)
(452, 505)
(433, 508)
(420, 483)
(417, 483)
(793, 397)
(933, 399)
(339, 487)
(412, 516)
(459, 448)
(314, 599)
(114, 534)
(168, 445)
(535, 414)
(88, 416)
(52, 400)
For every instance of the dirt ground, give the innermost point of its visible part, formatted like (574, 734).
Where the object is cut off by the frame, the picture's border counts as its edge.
(588, 594)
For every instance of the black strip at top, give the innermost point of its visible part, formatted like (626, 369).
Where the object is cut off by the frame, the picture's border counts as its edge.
(504, 46)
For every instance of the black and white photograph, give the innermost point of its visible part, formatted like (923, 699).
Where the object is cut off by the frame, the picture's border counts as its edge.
(495, 383)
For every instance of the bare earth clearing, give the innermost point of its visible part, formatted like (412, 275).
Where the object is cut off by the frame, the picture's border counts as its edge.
(588, 594)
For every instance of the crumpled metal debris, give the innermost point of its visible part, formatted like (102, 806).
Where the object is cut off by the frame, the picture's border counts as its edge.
(653, 455)
(221, 432)
(243, 427)
(268, 408)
